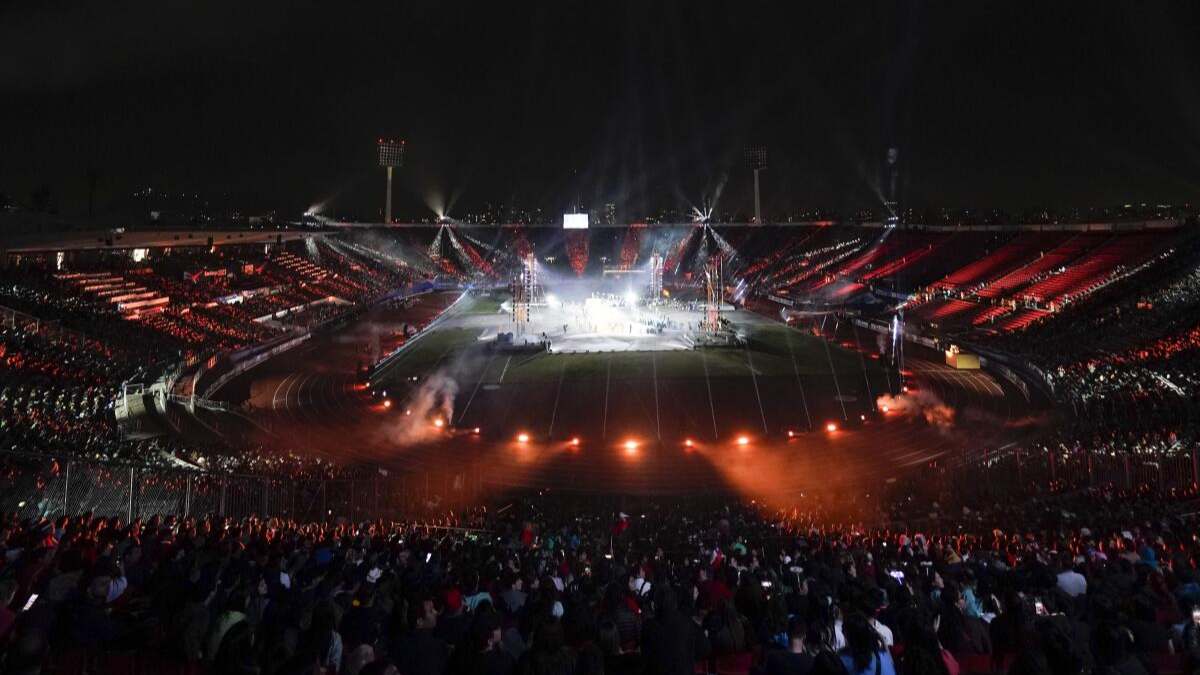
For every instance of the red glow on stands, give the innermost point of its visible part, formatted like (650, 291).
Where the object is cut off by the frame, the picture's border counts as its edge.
(676, 254)
(577, 251)
(521, 243)
(630, 247)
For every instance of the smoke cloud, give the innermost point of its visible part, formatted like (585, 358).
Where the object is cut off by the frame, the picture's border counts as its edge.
(920, 403)
(433, 400)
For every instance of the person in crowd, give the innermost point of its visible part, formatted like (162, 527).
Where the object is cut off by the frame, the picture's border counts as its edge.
(864, 652)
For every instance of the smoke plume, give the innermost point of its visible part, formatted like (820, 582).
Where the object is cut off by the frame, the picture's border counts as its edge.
(433, 400)
(922, 404)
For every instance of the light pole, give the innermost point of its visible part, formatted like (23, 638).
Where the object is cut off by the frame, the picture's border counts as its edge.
(391, 155)
(756, 157)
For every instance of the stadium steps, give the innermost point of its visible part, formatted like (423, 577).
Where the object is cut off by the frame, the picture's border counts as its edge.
(1022, 318)
(1091, 268)
(1015, 253)
(990, 314)
(1062, 254)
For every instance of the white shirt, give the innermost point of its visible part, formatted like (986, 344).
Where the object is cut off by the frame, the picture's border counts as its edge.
(839, 640)
(1072, 583)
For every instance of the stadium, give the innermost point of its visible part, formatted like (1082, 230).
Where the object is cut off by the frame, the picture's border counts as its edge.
(573, 402)
(428, 339)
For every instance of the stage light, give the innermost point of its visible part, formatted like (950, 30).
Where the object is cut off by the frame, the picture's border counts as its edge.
(438, 423)
(862, 418)
(387, 404)
(631, 446)
(791, 434)
(575, 441)
(743, 440)
(631, 298)
(831, 427)
(688, 443)
(522, 438)
(476, 430)
(886, 410)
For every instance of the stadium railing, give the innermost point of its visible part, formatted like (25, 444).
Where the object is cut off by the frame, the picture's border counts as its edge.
(37, 486)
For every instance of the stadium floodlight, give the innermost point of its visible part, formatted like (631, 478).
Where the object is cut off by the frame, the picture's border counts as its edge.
(391, 156)
(575, 221)
(756, 157)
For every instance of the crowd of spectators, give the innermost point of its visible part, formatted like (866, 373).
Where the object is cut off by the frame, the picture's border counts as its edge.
(65, 353)
(553, 585)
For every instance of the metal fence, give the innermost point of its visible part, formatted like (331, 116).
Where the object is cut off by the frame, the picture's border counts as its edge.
(984, 476)
(41, 486)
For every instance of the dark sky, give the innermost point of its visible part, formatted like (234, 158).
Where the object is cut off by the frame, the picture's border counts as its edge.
(644, 104)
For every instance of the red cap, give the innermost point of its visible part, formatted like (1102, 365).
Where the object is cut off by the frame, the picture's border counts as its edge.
(454, 599)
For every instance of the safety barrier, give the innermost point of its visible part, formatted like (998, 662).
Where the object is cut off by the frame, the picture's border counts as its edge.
(36, 486)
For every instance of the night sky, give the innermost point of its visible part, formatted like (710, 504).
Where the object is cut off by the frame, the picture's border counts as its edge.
(277, 105)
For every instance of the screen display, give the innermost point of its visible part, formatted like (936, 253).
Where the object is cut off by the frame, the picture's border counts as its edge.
(575, 221)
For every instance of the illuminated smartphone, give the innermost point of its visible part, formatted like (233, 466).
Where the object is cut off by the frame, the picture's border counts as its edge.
(1039, 608)
(1195, 615)
(33, 598)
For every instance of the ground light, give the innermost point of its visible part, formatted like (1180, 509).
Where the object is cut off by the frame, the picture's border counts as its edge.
(575, 441)
(631, 446)
(522, 438)
(439, 423)
(791, 434)
(688, 443)
(831, 427)
(743, 440)
(477, 430)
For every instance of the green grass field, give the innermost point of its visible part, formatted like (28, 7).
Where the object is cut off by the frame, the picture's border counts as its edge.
(782, 378)
(773, 350)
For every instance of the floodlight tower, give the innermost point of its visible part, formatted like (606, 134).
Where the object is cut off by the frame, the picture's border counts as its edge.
(656, 271)
(391, 156)
(756, 157)
(525, 291)
(891, 203)
(715, 293)
(520, 303)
